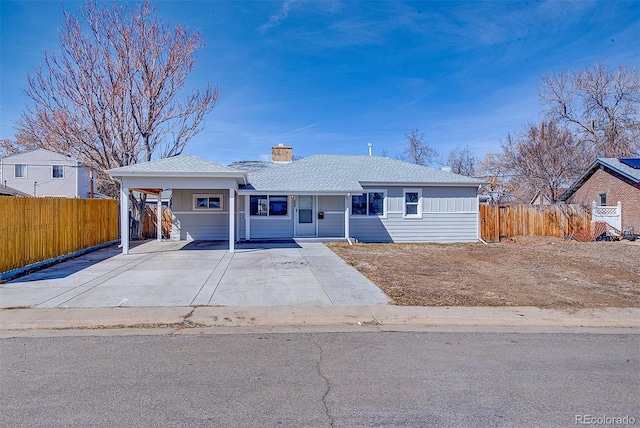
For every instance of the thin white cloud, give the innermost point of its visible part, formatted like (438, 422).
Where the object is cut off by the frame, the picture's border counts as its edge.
(303, 128)
(276, 18)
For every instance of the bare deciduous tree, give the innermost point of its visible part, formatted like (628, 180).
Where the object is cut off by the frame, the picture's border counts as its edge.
(462, 161)
(112, 96)
(601, 107)
(544, 157)
(418, 151)
(493, 170)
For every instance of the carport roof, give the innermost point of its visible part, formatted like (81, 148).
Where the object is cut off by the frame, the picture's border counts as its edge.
(183, 165)
(341, 173)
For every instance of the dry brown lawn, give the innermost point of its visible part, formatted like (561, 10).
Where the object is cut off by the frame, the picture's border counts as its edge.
(542, 272)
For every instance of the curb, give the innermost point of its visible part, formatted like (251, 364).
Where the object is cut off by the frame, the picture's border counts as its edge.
(28, 319)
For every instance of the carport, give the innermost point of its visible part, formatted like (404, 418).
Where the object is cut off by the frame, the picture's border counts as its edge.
(182, 172)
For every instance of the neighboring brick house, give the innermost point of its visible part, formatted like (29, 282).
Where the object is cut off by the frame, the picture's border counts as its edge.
(609, 181)
(41, 172)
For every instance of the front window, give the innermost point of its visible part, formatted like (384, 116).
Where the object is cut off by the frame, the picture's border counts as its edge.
(269, 205)
(368, 204)
(57, 171)
(207, 202)
(20, 170)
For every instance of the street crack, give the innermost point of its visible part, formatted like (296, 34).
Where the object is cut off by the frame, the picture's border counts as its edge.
(325, 378)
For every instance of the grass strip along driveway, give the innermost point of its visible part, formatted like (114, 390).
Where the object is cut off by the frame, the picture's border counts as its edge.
(542, 272)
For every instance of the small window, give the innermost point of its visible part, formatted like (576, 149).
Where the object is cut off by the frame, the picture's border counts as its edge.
(602, 199)
(268, 205)
(412, 203)
(57, 171)
(207, 202)
(20, 170)
(368, 204)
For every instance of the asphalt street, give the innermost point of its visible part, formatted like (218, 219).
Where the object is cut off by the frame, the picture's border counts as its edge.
(320, 379)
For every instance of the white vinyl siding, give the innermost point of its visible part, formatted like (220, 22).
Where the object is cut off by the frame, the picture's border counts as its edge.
(204, 226)
(433, 227)
(449, 214)
(274, 227)
(332, 225)
(450, 199)
(192, 223)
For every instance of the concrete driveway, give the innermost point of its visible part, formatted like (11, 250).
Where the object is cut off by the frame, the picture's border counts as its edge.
(179, 273)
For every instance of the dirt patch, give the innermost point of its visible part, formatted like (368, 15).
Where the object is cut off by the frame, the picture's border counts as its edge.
(542, 272)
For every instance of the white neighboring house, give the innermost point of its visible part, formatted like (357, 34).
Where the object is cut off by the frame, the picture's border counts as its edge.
(41, 172)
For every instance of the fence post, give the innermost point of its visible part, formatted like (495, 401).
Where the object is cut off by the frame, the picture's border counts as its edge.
(619, 212)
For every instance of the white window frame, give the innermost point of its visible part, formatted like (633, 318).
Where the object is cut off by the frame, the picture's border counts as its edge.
(367, 215)
(269, 215)
(601, 196)
(417, 204)
(208, 196)
(52, 169)
(26, 170)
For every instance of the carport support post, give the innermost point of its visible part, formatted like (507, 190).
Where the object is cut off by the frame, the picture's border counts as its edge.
(159, 215)
(124, 218)
(232, 219)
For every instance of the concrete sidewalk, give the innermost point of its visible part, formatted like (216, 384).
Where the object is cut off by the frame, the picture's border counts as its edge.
(16, 322)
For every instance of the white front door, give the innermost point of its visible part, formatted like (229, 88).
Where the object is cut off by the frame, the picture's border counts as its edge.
(305, 216)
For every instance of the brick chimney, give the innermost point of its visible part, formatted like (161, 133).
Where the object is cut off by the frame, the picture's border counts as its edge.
(281, 153)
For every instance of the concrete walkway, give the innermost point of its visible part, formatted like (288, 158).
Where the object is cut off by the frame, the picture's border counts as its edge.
(179, 273)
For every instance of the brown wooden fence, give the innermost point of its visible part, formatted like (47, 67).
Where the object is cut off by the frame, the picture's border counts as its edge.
(531, 220)
(37, 229)
(150, 225)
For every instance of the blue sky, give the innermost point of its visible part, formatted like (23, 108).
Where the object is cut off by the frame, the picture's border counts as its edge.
(331, 76)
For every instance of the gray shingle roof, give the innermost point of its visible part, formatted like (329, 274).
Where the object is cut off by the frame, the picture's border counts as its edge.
(624, 169)
(177, 165)
(332, 173)
(253, 166)
(10, 191)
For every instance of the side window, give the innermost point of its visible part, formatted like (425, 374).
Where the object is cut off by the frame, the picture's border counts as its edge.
(57, 171)
(602, 199)
(20, 170)
(207, 202)
(412, 205)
